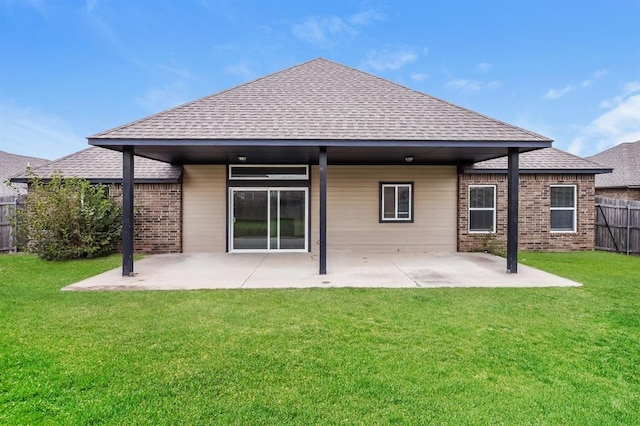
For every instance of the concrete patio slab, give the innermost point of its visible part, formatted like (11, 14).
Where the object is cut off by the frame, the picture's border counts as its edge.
(300, 270)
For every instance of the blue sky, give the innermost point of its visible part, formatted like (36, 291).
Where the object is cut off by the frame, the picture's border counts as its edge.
(567, 69)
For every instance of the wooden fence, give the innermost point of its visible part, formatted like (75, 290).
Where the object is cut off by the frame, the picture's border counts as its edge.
(617, 225)
(7, 206)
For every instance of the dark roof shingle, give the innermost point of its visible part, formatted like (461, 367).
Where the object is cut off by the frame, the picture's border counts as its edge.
(104, 165)
(546, 160)
(320, 100)
(624, 159)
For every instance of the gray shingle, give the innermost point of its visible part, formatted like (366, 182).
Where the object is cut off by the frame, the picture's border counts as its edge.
(105, 165)
(624, 159)
(12, 164)
(321, 100)
(546, 159)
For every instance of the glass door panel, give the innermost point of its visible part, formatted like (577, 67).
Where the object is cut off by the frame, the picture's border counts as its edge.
(292, 223)
(250, 218)
(269, 219)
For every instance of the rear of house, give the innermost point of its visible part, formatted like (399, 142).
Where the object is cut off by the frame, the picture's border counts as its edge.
(322, 157)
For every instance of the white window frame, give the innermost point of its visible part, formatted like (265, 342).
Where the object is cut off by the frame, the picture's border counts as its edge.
(493, 209)
(396, 185)
(574, 209)
(304, 176)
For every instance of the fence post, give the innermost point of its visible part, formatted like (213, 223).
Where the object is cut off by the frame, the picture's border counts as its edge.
(14, 232)
(628, 227)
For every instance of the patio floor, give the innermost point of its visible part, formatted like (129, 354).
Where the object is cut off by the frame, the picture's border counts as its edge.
(300, 270)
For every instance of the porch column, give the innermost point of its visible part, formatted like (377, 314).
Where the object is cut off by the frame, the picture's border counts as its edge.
(127, 211)
(513, 177)
(322, 163)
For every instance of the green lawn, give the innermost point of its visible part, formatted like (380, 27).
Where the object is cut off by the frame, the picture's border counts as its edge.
(322, 356)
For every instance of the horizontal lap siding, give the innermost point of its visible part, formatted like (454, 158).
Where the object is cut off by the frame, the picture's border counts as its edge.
(353, 209)
(204, 209)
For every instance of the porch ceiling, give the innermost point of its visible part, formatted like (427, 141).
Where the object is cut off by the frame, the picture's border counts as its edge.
(307, 152)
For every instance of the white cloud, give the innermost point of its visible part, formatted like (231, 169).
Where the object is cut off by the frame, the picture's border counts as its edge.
(323, 31)
(240, 69)
(29, 131)
(558, 93)
(39, 6)
(366, 18)
(389, 58)
(621, 123)
(170, 94)
(419, 76)
(319, 30)
(472, 85)
(484, 67)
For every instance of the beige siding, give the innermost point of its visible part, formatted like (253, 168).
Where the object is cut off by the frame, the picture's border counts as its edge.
(204, 209)
(353, 209)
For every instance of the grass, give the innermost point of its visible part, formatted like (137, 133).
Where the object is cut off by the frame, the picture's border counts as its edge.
(322, 356)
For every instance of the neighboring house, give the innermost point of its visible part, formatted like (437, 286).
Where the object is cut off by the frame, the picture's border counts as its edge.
(12, 164)
(322, 157)
(624, 182)
(158, 193)
(557, 203)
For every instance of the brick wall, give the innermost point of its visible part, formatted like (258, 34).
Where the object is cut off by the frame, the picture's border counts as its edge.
(157, 216)
(620, 193)
(534, 213)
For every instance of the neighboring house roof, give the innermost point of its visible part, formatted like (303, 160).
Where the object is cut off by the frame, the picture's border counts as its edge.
(100, 165)
(624, 159)
(12, 164)
(547, 160)
(317, 103)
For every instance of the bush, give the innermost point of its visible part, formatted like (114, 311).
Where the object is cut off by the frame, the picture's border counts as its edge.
(69, 218)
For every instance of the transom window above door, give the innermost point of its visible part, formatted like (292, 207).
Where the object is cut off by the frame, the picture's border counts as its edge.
(268, 172)
(396, 202)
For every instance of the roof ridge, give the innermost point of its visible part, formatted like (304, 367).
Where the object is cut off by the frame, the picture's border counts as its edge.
(211, 95)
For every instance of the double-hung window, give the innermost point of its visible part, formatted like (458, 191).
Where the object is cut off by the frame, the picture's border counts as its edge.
(396, 202)
(563, 208)
(482, 208)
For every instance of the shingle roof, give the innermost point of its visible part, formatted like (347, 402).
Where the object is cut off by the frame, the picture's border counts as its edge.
(104, 165)
(321, 100)
(546, 160)
(12, 164)
(624, 159)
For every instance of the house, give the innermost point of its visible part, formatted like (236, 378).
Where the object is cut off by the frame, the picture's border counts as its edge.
(624, 182)
(557, 199)
(157, 188)
(158, 194)
(12, 164)
(322, 157)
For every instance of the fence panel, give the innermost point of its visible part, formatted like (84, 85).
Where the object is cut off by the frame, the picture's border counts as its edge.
(7, 204)
(617, 226)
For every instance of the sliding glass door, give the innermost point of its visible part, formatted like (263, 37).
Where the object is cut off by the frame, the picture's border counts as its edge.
(268, 219)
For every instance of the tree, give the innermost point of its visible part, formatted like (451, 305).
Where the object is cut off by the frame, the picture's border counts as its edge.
(69, 218)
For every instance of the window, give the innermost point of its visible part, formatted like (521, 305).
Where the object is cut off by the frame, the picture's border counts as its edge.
(563, 208)
(268, 172)
(482, 208)
(396, 202)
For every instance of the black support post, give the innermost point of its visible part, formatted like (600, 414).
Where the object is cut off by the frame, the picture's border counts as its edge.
(513, 178)
(127, 211)
(323, 210)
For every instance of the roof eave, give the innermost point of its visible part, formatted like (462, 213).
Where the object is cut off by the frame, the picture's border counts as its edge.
(119, 142)
(539, 171)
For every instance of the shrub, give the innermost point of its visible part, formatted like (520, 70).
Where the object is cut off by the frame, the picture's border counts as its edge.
(69, 218)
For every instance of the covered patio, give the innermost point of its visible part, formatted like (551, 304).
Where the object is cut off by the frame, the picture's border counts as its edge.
(299, 270)
(321, 114)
